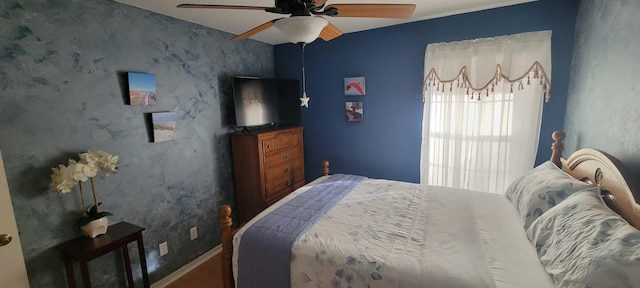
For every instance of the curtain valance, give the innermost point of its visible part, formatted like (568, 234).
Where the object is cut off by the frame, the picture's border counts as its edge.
(478, 65)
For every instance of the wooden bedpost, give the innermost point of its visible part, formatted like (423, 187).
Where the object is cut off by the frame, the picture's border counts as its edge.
(325, 168)
(227, 246)
(557, 148)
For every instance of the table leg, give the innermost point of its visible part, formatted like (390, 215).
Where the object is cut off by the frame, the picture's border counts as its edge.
(71, 277)
(84, 270)
(127, 264)
(143, 260)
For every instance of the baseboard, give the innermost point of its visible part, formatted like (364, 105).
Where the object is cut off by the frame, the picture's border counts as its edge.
(186, 268)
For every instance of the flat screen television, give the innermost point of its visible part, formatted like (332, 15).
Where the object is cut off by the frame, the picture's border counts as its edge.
(266, 101)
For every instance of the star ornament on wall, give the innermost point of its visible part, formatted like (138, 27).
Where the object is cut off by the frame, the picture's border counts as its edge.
(304, 101)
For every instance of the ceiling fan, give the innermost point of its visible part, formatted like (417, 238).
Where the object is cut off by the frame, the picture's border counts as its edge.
(305, 23)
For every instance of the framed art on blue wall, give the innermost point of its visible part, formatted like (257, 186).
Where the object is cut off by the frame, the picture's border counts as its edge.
(354, 86)
(354, 111)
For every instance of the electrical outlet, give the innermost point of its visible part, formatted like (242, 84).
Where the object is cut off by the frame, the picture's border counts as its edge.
(164, 249)
(193, 232)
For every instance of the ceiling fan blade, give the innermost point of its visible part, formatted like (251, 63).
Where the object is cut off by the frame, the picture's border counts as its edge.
(208, 6)
(329, 32)
(255, 31)
(394, 11)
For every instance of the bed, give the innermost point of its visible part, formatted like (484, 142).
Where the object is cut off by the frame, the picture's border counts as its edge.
(567, 223)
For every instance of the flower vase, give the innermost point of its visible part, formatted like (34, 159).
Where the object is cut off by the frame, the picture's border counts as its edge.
(95, 227)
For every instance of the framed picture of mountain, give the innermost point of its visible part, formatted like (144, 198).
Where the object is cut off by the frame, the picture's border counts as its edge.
(354, 86)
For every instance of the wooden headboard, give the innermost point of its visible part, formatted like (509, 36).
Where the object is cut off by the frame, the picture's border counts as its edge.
(605, 171)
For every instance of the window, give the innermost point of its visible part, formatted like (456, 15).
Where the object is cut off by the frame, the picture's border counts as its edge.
(481, 136)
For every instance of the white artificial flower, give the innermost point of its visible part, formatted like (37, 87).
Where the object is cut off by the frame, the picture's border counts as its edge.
(89, 170)
(89, 163)
(88, 159)
(62, 179)
(105, 161)
(110, 165)
(81, 172)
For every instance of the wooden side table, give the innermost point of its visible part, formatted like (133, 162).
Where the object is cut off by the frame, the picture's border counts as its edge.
(84, 249)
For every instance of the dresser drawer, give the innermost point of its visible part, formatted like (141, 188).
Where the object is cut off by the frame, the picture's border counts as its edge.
(286, 155)
(281, 141)
(284, 169)
(278, 187)
(268, 145)
(284, 140)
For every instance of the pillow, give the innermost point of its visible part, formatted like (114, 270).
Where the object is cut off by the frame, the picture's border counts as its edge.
(583, 243)
(540, 189)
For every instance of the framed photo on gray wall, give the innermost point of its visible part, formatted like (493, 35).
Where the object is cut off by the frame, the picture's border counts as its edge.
(164, 126)
(142, 89)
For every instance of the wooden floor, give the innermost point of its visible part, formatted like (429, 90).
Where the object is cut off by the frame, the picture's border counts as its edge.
(206, 275)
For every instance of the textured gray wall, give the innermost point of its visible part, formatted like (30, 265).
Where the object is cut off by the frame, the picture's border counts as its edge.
(603, 109)
(63, 67)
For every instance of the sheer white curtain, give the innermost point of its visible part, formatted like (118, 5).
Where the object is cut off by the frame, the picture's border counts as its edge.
(483, 103)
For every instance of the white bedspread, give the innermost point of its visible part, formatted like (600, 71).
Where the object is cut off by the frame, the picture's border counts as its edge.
(397, 234)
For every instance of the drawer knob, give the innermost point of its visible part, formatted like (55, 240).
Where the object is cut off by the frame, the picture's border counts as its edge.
(285, 156)
(286, 170)
(288, 183)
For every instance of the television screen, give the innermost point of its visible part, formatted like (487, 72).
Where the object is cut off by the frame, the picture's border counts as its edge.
(261, 101)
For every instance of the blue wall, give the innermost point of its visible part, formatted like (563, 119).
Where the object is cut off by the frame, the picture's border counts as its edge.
(63, 91)
(387, 143)
(604, 95)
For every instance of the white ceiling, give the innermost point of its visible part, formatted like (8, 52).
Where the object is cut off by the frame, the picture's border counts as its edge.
(239, 21)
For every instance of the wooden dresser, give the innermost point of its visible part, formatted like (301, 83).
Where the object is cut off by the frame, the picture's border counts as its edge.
(267, 165)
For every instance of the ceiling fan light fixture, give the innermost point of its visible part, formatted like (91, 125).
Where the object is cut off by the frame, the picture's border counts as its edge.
(301, 29)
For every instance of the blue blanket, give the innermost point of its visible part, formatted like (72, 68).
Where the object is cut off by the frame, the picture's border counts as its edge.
(265, 249)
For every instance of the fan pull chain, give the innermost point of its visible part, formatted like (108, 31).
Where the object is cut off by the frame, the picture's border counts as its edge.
(304, 101)
(304, 82)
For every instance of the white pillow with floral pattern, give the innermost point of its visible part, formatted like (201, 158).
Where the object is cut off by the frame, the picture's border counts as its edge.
(542, 188)
(582, 243)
